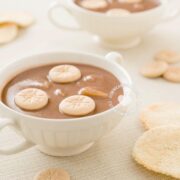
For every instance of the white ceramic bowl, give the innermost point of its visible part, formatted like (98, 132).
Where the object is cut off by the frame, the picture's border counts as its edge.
(63, 137)
(115, 32)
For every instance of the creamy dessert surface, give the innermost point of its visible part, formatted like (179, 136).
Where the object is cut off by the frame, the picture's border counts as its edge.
(132, 7)
(91, 77)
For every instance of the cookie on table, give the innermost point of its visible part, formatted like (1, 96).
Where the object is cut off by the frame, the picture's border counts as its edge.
(154, 69)
(160, 114)
(159, 150)
(8, 32)
(10, 23)
(52, 174)
(168, 56)
(172, 74)
(20, 19)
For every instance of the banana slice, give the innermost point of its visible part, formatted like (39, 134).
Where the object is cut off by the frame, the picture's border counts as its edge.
(94, 4)
(20, 19)
(8, 32)
(31, 99)
(118, 12)
(64, 74)
(89, 91)
(155, 69)
(77, 105)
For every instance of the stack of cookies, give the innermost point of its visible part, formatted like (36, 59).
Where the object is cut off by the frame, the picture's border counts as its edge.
(165, 65)
(158, 149)
(10, 23)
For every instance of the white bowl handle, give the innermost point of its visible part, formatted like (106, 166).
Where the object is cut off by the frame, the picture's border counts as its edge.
(15, 149)
(56, 5)
(114, 57)
(130, 100)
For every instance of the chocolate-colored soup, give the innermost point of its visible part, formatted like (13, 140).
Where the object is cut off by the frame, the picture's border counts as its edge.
(61, 91)
(104, 6)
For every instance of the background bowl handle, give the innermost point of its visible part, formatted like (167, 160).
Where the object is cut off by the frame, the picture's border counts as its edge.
(17, 148)
(114, 57)
(57, 5)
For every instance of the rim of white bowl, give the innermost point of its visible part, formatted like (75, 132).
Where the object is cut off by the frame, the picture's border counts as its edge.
(131, 15)
(76, 119)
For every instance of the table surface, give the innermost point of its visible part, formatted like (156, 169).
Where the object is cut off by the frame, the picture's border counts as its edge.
(110, 158)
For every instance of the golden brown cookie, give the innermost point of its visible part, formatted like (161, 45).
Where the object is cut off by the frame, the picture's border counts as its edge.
(160, 114)
(52, 174)
(159, 150)
(168, 56)
(172, 74)
(18, 18)
(8, 32)
(154, 69)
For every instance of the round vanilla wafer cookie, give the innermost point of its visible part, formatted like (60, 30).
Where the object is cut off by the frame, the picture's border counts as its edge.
(52, 174)
(8, 32)
(19, 18)
(172, 74)
(64, 74)
(168, 56)
(154, 69)
(159, 150)
(77, 105)
(160, 114)
(31, 99)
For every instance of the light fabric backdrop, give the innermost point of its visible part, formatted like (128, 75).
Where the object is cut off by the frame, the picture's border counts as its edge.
(110, 158)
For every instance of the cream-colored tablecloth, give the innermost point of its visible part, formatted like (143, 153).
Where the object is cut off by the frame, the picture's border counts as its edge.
(110, 158)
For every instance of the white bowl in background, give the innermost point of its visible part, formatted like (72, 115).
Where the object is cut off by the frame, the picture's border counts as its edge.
(114, 32)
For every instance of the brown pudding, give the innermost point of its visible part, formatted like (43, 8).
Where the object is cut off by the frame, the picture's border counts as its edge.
(91, 77)
(131, 7)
